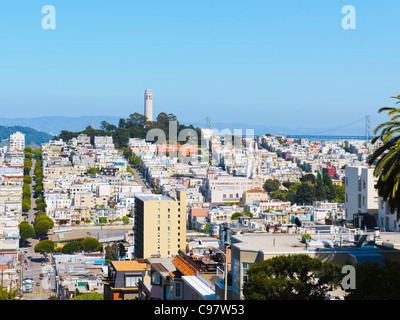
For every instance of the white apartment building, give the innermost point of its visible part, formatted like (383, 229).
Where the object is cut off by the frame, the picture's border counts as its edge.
(386, 219)
(17, 141)
(226, 188)
(103, 142)
(360, 193)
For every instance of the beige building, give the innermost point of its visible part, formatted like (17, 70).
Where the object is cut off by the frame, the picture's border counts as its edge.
(254, 195)
(160, 225)
(84, 199)
(52, 172)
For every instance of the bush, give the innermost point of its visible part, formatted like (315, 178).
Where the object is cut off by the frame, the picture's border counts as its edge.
(305, 238)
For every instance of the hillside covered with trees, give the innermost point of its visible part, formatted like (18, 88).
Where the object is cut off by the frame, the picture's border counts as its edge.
(32, 136)
(135, 126)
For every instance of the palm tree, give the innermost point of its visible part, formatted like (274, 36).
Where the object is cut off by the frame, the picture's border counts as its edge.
(387, 159)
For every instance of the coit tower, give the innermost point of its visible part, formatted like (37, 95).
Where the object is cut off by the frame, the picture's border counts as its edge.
(148, 104)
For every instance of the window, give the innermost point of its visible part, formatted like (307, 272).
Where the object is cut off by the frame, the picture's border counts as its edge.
(177, 289)
(245, 267)
(130, 281)
(155, 278)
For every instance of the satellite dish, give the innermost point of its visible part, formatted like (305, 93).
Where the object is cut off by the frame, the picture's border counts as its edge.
(297, 222)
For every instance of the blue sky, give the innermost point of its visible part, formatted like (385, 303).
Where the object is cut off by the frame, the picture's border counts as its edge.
(280, 63)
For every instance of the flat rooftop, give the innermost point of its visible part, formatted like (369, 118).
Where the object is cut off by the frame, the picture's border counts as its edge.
(269, 242)
(389, 239)
(291, 243)
(153, 197)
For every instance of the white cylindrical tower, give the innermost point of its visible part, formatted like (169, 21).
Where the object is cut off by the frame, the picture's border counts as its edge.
(148, 104)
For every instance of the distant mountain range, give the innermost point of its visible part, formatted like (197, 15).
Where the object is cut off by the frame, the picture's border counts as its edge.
(52, 125)
(33, 138)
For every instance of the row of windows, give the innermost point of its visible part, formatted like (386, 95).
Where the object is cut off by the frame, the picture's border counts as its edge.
(230, 196)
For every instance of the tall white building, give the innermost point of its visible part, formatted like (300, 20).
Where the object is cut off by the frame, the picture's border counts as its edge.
(17, 141)
(360, 193)
(148, 104)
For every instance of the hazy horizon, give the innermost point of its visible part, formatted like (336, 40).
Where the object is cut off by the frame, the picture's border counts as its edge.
(278, 64)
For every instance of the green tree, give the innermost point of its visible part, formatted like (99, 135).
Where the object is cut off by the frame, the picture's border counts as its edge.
(93, 170)
(235, 215)
(26, 205)
(326, 178)
(26, 231)
(331, 192)
(27, 164)
(89, 296)
(45, 246)
(41, 206)
(271, 185)
(375, 281)
(103, 220)
(320, 191)
(111, 252)
(287, 184)
(305, 193)
(121, 250)
(28, 155)
(135, 161)
(71, 247)
(340, 193)
(41, 216)
(27, 179)
(89, 244)
(38, 190)
(309, 177)
(8, 294)
(248, 214)
(42, 227)
(291, 277)
(387, 158)
(37, 153)
(279, 194)
(125, 219)
(39, 199)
